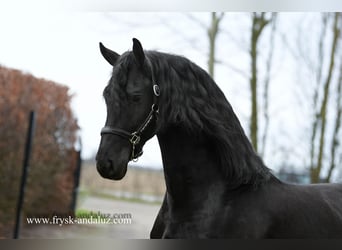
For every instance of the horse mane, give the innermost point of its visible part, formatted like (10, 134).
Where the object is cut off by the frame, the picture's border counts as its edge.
(191, 98)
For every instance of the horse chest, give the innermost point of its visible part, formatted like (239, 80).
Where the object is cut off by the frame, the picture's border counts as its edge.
(224, 223)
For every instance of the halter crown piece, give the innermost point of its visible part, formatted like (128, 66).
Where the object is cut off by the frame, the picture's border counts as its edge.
(134, 137)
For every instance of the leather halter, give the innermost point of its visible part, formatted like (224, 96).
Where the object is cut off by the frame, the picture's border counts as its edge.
(135, 137)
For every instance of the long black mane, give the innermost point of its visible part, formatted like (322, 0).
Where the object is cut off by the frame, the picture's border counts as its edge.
(191, 98)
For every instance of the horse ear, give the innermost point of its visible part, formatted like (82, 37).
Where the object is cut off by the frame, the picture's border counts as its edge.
(109, 55)
(138, 52)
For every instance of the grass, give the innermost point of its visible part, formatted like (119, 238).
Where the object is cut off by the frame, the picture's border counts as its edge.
(84, 213)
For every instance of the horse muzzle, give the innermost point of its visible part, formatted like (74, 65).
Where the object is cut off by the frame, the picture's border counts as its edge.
(107, 169)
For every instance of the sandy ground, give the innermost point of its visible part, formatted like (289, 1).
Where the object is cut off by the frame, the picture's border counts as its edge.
(143, 216)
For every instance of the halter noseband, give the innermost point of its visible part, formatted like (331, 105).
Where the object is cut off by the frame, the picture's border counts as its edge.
(134, 137)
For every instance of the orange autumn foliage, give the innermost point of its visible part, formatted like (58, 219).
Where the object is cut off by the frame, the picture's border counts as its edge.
(53, 159)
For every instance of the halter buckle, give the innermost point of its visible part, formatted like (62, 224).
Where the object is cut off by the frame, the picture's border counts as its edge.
(156, 90)
(135, 139)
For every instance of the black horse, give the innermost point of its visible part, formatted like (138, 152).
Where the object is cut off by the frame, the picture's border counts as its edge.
(217, 186)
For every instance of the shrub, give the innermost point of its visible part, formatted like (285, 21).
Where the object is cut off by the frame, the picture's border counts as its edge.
(53, 159)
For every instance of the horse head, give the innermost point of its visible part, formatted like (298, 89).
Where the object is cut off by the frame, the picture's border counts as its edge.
(131, 98)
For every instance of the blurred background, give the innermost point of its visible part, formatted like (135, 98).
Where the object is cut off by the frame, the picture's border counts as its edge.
(281, 72)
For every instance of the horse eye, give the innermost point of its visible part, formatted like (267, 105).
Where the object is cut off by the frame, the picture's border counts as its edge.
(135, 98)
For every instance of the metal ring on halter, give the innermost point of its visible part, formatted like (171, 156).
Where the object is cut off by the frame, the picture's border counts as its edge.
(156, 90)
(135, 158)
(155, 108)
(135, 139)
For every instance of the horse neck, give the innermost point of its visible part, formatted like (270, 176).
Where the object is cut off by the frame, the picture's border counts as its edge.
(191, 167)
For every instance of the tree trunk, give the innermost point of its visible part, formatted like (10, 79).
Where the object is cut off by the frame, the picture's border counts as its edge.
(212, 34)
(335, 138)
(316, 170)
(319, 72)
(266, 86)
(258, 24)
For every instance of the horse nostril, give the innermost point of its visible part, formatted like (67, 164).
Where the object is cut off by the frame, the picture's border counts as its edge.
(104, 165)
(110, 163)
(104, 168)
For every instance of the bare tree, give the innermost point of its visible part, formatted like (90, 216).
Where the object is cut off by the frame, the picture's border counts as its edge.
(320, 119)
(323, 62)
(212, 31)
(319, 70)
(259, 22)
(212, 34)
(266, 86)
(335, 143)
